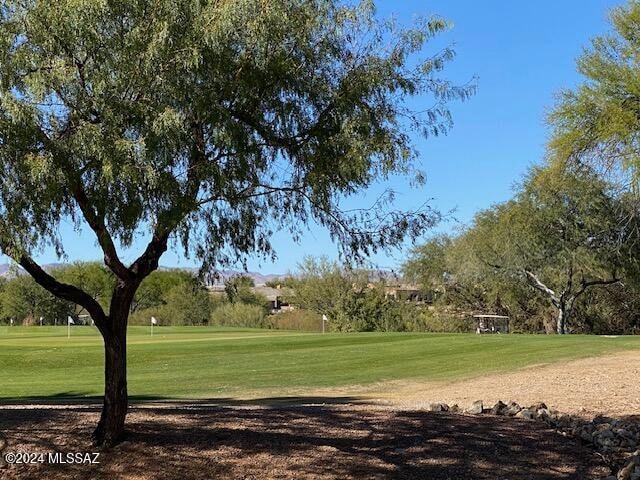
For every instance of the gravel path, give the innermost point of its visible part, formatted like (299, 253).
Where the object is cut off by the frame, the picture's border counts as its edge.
(335, 442)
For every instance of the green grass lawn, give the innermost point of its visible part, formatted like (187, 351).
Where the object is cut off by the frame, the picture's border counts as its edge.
(205, 362)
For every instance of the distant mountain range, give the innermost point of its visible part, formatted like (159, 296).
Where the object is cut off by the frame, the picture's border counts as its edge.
(10, 271)
(259, 279)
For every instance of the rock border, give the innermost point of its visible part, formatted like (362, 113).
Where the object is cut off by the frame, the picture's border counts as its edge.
(616, 440)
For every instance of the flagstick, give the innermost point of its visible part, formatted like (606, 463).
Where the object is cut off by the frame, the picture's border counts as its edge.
(68, 330)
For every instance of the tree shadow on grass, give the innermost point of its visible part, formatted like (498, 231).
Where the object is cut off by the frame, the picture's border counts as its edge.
(263, 440)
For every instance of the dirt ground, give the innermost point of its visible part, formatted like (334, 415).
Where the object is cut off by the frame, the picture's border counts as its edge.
(379, 431)
(607, 385)
(337, 442)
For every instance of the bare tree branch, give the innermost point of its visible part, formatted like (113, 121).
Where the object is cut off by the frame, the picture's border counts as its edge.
(535, 282)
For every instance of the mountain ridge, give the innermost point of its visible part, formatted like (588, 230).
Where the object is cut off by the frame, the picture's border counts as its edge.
(10, 271)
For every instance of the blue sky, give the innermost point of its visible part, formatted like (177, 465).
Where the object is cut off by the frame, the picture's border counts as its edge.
(522, 54)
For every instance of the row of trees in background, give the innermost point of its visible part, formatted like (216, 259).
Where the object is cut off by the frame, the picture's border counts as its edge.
(561, 255)
(175, 297)
(351, 300)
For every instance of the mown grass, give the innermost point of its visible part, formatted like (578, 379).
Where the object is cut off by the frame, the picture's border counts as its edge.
(205, 362)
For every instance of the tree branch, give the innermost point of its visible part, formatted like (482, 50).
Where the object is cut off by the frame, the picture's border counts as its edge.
(169, 219)
(538, 285)
(96, 223)
(585, 285)
(65, 291)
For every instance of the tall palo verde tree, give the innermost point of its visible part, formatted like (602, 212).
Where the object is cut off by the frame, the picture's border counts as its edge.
(208, 125)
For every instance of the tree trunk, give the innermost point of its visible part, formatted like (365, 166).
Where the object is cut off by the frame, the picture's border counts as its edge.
(564, 314)
(110, 429)
(561, 322)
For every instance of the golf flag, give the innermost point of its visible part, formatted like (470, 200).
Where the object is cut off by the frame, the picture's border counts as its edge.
(154, 321)
(70, 321)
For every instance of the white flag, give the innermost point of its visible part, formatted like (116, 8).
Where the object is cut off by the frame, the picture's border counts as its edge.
(70, 321)
(154, 321)
(324, 318)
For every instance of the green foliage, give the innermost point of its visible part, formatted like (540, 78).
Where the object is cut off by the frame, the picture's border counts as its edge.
(187, 304)
(298, 319)
(428, 263)
(439, 322)
(154, 289)
(216, 122)
(597, 122)
(239, 315)
(174, 297)
(92, 277)
(239, 289)
(322, 287)
(348, 299)
(23, 300)
(565, 233)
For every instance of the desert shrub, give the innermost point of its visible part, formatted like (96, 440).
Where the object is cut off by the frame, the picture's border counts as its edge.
(239, 315)
(304, 320)
(440, 322)
(186, 303)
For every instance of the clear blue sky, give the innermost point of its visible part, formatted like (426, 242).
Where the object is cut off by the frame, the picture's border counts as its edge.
(522, 53)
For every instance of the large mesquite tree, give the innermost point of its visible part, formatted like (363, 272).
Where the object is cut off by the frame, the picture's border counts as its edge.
(207, 124)
(564, 233)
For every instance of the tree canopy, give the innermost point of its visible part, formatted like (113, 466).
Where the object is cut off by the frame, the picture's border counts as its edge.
(565, 231)
(597, 122)
(219, 121)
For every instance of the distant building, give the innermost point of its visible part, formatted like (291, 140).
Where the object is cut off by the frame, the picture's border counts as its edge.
(275, 297)
(217, 289)
(407, 292)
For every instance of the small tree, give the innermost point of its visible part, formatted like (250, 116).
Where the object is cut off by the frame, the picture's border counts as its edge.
(239, 289)
(188, 303)
(207, 123)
